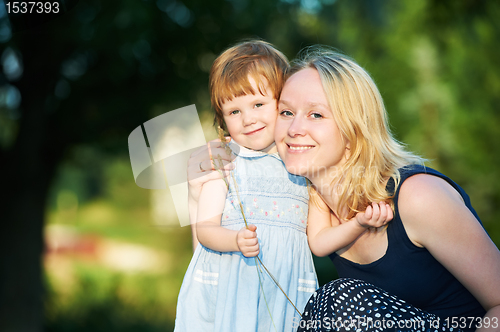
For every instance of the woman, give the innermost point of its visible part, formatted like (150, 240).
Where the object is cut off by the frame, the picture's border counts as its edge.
(435, 255)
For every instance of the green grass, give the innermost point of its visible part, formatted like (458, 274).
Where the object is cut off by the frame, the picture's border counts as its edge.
(84, 294)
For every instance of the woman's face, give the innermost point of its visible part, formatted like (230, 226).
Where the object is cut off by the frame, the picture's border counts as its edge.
(306, 135)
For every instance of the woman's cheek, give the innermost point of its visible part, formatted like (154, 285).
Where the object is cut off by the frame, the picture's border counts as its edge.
(279, 130)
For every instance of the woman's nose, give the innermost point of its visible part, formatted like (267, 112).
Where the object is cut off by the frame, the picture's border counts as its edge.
(297, 127)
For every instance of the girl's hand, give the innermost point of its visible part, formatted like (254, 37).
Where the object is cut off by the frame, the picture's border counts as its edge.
(247, 241)
(201, 169)
(376, 215)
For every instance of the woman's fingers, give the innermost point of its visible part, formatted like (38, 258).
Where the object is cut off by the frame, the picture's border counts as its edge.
(212, 150)
(200, 164)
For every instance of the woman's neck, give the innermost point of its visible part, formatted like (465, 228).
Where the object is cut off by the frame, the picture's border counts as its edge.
(270, 149)
(327, 186)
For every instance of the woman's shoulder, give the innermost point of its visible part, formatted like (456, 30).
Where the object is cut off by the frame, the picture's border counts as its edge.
(424, 204)
(422, 189)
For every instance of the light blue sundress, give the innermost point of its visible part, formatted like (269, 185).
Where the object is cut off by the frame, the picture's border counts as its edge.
(221, 291)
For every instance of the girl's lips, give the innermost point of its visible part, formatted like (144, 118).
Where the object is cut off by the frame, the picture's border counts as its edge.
(253, 132)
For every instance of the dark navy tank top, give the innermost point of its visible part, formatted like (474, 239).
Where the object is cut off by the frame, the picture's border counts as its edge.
(411, 272)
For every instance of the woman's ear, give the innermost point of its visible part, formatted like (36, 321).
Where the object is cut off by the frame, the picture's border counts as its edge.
(348, 150)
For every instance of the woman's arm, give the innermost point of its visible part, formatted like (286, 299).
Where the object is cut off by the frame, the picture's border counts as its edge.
(326, 234)
(208, 225)
(200, 168)
(435, 217)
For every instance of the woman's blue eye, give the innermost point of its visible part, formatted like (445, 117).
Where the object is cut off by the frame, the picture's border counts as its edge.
(316, 115)
(234, 112)
(258, 105)
(286, 113)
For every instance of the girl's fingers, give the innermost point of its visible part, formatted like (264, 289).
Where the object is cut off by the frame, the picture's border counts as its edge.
(251, 253)
(376, 212)
(254, 248)
(251, 242)
(368, 212)
(383, 213)
(252, 228)
(390, 214)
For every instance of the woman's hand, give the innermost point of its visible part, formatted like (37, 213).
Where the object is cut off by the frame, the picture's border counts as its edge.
(247, 241)
(201, 169)
(376, 215)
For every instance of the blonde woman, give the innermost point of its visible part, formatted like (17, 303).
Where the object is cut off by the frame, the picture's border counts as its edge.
(433, 267)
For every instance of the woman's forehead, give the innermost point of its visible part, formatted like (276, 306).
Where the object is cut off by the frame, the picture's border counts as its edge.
(306, 83)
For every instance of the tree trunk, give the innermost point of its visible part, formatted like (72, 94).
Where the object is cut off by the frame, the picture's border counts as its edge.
(27, 169)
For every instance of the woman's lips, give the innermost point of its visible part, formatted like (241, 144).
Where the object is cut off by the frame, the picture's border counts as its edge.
(255, 131)
(299, 147)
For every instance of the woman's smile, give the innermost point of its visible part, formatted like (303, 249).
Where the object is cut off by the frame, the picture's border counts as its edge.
(297, 148)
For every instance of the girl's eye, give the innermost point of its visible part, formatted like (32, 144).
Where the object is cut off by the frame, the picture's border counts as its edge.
(286, 113)
(258, 105)
(234, 112)
(316, 116)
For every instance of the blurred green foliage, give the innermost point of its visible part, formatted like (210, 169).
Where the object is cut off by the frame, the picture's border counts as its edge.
(118, 64)
(106, 301)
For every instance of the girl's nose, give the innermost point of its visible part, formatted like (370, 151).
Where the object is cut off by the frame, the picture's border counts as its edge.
(248, 119)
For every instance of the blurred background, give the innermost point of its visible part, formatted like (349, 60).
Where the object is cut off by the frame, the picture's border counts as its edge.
(83, 248)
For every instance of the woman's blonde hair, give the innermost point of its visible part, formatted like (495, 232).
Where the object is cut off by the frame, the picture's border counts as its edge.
(374, 154)
(229, 73)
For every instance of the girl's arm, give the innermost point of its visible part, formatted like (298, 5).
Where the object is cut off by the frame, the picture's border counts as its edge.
(198, 161)
(193, 214)
(435, 217)
(326, 234)
(208, 226)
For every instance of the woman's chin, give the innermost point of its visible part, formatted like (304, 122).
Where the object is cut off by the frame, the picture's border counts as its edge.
(296, 169)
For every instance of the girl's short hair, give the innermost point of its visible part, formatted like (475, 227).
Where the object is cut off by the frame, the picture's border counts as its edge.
(229, 74)
(359, 112)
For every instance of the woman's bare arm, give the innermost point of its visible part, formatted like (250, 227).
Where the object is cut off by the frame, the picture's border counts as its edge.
(435, 217)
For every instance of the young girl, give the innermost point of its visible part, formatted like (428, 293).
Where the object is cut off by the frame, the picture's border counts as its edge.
(223, 289)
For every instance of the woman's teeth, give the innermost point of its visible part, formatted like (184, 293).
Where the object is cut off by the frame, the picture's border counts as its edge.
(300, 147)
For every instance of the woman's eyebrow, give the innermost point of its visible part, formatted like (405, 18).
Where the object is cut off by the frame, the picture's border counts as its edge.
(310, 104)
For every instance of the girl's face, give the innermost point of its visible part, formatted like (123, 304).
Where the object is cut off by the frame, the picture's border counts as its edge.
(250, 119)
(306, 135)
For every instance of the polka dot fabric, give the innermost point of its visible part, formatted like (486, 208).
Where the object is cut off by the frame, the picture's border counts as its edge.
(354, 305)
